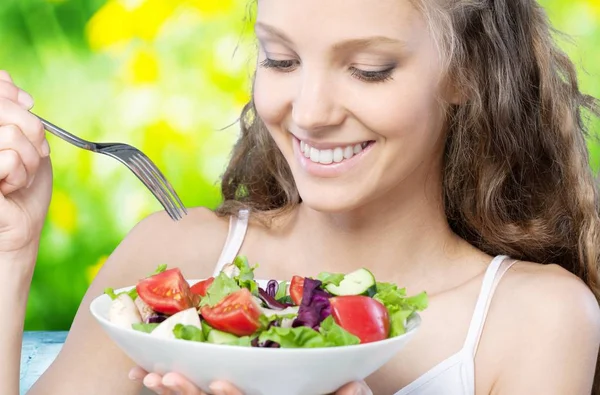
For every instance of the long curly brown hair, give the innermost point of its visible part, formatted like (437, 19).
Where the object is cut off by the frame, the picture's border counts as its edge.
(516, 174)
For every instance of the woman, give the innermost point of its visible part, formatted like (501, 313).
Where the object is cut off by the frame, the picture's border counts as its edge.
(424, 140)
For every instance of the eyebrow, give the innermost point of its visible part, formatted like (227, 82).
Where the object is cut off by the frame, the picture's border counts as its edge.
(356, 43)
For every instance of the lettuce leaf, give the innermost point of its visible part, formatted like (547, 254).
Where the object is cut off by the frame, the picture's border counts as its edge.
(399, 306)
(330, 278)
(159, 269)
(146, 328)
(246, 277)
(222, 286)
(188, 332)
(281, 291)
(329, 335)
(111, 293)
(299, 337)
(335, 335)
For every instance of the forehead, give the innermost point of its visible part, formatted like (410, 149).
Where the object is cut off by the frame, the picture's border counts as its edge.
(334, 20)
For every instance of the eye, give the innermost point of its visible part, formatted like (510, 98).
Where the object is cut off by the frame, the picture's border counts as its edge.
(371, 75)
(281, 65)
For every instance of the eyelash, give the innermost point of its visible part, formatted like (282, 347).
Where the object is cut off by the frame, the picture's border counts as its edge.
(287, 66)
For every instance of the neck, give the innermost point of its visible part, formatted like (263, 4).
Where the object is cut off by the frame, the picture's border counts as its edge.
(398, 232)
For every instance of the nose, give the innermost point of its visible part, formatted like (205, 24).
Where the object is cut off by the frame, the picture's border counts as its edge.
(316, 105)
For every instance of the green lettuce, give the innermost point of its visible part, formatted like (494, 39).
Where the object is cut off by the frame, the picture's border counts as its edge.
(222, 286)
(329, 335)
(399, 306)
(147, 328)
(330, 278)
(188, 332)
(246, 277)
(281, 290)
(111, 293)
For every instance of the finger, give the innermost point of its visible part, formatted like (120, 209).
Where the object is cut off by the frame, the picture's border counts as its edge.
(4, 76)
(12, 92)
(224, 388)
(153, 382)
(11, 138)
(137, 374)
(12, 114)
(180, 385)
(12, 172)
(355, 388)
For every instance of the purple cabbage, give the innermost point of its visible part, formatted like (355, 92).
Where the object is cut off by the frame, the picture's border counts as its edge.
(315, 306)
(272, 288)
(156, 318)
(270, 301)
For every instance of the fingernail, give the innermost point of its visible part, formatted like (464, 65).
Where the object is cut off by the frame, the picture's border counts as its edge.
(364, 390)
(132, 375)
(168, 381)
(217, 389)
(25, 99)
(45, 148)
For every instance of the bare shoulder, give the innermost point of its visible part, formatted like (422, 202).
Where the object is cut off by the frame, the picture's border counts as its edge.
(545, 326)
(193, 243)
(548, 292)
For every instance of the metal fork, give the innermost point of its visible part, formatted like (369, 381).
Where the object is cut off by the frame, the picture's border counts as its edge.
(136, 161)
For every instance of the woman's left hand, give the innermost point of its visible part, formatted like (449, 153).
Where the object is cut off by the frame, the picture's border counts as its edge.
(176, 384)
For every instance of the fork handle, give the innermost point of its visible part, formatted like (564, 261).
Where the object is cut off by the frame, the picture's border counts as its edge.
(68, 137)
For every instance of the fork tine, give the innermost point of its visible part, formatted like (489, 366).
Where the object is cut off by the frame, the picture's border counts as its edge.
(157, 188)
(153, 186)
(156, 171)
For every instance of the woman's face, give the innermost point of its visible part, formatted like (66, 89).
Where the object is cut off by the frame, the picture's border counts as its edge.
(349, 90)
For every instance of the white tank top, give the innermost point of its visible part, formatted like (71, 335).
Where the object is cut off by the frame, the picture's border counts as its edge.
(455, 375)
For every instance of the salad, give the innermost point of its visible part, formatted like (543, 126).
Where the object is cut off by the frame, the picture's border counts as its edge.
(232, 309)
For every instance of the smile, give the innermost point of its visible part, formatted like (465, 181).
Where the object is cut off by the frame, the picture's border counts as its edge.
(332, 155)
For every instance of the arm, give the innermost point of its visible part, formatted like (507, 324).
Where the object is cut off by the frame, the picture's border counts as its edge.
(557, 349)
(14, 289)
(89, 362)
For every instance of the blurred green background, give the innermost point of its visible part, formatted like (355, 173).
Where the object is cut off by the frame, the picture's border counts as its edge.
(170, 77)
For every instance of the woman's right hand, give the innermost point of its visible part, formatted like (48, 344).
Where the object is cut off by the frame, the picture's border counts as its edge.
(25, 170)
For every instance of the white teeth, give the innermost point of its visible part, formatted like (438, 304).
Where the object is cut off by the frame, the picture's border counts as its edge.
(338, 155)
(348, 152)
(314, 155)
(328, 156)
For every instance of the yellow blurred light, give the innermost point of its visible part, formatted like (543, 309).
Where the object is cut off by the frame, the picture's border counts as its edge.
(111, 24)
(212, 7)
(142, 68)
(63, 211)
(92, 271)
(123, 20)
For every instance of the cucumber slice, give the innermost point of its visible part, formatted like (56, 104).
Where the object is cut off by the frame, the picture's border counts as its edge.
(358, 282)
(218, 337)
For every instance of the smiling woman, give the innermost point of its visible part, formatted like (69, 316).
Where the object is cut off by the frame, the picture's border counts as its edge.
(441, 144)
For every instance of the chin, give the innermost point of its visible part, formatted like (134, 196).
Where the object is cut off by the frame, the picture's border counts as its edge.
(331, 199)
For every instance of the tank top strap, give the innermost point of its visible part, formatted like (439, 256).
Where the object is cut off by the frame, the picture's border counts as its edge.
(238, 226)
(496, 269)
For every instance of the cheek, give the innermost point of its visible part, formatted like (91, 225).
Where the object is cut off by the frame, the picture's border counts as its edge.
(269, 99)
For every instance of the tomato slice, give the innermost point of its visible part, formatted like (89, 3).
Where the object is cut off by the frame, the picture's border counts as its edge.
(166, 292)
(238, 314)
(364, 317)
(200, 287)
(296, 289)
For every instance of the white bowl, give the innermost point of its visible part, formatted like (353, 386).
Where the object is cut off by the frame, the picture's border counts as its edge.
(255, 371)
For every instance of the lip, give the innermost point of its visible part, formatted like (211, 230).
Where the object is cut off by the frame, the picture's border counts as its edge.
(332, 170)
